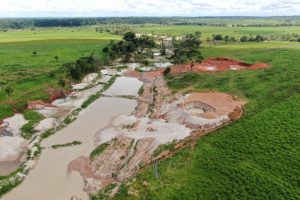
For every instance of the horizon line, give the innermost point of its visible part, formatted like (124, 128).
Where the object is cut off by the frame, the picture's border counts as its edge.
(152, 16)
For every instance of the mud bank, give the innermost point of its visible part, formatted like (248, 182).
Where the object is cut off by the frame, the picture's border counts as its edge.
(50, 178)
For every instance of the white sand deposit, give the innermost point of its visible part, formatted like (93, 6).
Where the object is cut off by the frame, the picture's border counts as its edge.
(11, 148)
(140, 128)
(14, 124)
(46, 124)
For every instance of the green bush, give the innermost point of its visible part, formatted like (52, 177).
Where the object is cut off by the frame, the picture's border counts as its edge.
(98, 150)
(33, 118)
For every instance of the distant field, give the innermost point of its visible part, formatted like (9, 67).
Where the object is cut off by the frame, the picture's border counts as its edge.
(54, 34)
(30, 75)
(208, 31)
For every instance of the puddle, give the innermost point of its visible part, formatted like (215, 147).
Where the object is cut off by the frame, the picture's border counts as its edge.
(8, 167)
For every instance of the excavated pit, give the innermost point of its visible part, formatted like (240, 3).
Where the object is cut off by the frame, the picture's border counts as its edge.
(197, 108)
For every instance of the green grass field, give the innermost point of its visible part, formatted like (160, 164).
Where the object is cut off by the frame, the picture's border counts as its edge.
(54, 34)
(208, 31)
(257, 157)
(31, 75)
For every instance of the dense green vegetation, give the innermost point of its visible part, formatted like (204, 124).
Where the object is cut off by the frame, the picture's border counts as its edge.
(256, 157)
(7, 183)
(126, 49)
(82, 66)
(187, 49)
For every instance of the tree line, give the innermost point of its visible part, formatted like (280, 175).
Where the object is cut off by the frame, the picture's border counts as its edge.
(20, 23)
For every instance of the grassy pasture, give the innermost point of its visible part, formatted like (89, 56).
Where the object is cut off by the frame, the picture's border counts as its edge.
(54, 34)
(31, 75)
(256, 157)
(208, 31)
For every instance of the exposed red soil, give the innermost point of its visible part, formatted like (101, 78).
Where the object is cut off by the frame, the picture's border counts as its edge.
(223, 104)
(38, 105)
(207, 65)
(55, 93)
(215, 65)
(152, 74)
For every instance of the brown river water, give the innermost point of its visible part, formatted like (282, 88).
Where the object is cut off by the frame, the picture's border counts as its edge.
(49, 180)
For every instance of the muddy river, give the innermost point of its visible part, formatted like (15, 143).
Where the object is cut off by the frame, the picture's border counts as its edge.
(49, 180)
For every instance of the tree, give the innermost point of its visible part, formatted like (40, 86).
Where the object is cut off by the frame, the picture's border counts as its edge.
(218, 37)
(62, 83)
(145, 42)
(244, 39)
(187, 49)
(105, 50)
(9, 90)
(129, 36)
(34, 53)
(145, 63)
(56, 58)
(226, 38)
(163, 50)
(167, 71)
(259, 38)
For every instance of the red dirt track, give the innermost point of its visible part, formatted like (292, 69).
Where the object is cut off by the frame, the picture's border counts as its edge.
(207, 65)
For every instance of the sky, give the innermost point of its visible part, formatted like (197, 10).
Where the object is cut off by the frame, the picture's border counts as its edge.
(105, 8)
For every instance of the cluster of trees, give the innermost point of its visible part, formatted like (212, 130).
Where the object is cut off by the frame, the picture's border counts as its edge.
(116, 30)
(84, 65)
(257, 38)
(286, 37)
(187, 49)
(226, 38)
(268, 25)
(126, 48)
